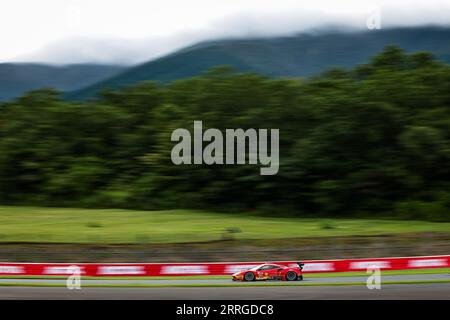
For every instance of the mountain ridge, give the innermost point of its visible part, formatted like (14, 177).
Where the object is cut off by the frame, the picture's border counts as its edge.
(18, 78)
(301, 55)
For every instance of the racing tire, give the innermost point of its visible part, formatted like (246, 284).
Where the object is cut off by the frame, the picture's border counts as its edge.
(249, 276)
(291, 276)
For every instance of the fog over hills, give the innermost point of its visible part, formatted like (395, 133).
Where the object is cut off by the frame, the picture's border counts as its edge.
(300, 55)
(290, 56)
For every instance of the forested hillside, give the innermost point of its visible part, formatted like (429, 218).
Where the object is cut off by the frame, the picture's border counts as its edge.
(374, 140)
(18, 78)
(302, 55)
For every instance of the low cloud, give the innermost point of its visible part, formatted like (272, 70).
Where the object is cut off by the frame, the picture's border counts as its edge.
(244, 25)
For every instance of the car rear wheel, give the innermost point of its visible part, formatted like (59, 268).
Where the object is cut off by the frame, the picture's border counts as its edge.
(291, 276)
(249, 276)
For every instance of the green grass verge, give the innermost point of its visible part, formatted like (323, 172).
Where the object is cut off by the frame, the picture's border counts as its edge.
(385, 273)
(199, 285)
(307, 275)
(113, 226)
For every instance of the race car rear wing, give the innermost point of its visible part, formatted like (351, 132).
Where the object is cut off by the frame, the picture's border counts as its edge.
(300, 265)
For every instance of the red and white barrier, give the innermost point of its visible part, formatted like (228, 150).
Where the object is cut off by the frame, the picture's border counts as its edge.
(186, 269)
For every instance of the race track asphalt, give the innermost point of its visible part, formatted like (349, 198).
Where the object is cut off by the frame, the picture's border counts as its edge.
(295, 290)
(387, 292)
(206, 282)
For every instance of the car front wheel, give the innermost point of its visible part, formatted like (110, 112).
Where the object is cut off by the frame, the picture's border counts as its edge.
(249, 276)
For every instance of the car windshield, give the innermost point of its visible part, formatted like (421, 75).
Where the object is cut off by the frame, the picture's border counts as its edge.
(266, 267)
(257, 267)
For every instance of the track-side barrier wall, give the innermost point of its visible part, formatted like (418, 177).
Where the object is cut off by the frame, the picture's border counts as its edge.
(188, 269)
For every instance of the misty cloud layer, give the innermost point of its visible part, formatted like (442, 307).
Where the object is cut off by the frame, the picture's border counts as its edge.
(111, 50)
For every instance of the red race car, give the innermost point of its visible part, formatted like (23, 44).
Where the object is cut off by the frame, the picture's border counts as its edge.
(270, 271)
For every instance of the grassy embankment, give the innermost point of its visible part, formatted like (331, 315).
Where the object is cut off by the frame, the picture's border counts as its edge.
(109, 226)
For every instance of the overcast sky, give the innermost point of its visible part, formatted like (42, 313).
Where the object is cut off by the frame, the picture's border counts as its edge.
(119, 31)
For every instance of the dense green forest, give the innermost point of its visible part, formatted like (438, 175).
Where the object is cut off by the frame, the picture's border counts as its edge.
(371, 140)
